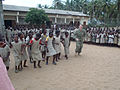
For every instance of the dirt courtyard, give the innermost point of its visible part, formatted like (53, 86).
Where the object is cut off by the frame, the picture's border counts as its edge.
(98, 68)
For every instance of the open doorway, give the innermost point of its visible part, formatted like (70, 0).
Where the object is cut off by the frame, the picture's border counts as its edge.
(8, 23)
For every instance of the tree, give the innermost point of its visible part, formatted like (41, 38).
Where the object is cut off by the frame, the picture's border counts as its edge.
(58, 4)
(45, 6)
(105, 11)
(36, 17)
(39, 5)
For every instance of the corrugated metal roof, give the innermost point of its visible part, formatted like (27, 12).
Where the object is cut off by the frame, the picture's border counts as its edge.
(49, 11)
(16, 8)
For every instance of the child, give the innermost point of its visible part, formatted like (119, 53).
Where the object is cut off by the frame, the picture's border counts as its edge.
(24, 55)
(5, 53)
(29, 37)
(6, 57)
(43, 47)
(102, 38)
(98, 38)
(119, 39)
(35, 52)
(89, 36)
(50, 49)
(66, 44)
(115, 38)
(57, 45)
(111, 38)
(16, 47)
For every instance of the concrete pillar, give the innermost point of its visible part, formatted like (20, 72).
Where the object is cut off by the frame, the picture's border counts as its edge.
(65, 20)
(73, 20)
(17, 17)
(55, 19)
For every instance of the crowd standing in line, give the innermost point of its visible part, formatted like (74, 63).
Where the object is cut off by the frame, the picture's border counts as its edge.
(103, 36)
(36, 44)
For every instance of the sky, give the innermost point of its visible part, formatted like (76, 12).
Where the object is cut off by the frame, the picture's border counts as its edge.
(29, 3)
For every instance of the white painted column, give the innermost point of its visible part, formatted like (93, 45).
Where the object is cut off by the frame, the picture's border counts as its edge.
(55, 20)
(17, 17)
(73, 20)
(65, 20)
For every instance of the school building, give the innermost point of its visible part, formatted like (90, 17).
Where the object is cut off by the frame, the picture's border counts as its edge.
(16, 14)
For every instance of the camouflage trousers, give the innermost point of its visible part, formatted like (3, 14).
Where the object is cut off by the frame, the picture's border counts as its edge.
(79, 46)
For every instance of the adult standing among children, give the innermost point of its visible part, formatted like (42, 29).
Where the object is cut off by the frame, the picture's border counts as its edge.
(79, 37)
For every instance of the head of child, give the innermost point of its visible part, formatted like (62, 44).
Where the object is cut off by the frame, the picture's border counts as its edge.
(51, 34)
(30, 35)
(66, 34)
(16, 38)
(57, 33)
(2, 44)
(44, 32)
(37, 36)
(21, 35)
(40, 31)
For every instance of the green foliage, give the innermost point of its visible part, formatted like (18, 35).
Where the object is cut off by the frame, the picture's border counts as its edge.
(106, 11)
(36, 17)
(42, 6)
(58, 4)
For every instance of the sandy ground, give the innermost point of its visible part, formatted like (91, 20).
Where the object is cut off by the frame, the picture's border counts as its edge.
(98, 68)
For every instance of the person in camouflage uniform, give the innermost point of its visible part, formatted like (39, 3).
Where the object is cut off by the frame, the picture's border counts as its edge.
(79, 37)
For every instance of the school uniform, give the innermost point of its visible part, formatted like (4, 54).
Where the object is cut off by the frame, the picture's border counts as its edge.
(16, 52)
(106, 39)
(115, 39)
(57, 44)
(12, 34)
(51, 51)
(66, 45)
(93, 38)
(89, 37)
(111, 38)
(15, 32)
(97, 38)
(35, 52)
(102, 39)
(43, 39)
(25, 33)
(118, 39)
(24, 55)
(34, 35)
(28, 48)
(6, 51)
(9, 35)
(47, 32)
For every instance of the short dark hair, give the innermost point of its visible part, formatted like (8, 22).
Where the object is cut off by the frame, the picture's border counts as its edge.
(57, 31)
(38, 35)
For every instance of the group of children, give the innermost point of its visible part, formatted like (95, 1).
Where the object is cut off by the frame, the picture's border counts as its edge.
(34, 44)
(103, 36)
(38, 44)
